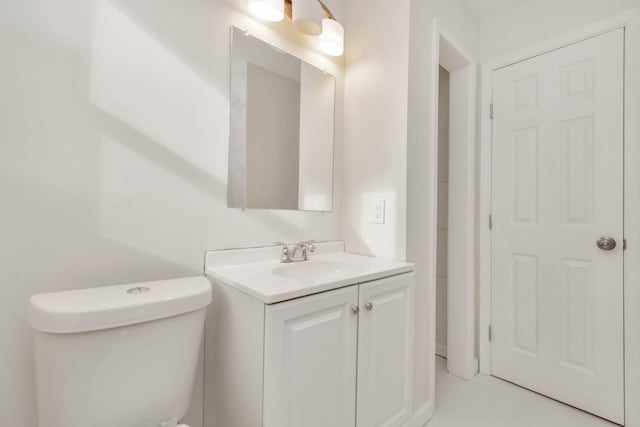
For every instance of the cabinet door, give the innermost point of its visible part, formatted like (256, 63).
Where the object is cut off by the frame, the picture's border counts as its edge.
(310, 361)
(385, 351)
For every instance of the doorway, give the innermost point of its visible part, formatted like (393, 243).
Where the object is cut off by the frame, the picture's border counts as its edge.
(443, 212)
(557, 202)
(455, 136)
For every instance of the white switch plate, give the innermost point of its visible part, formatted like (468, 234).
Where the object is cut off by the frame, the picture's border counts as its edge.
(378, 212)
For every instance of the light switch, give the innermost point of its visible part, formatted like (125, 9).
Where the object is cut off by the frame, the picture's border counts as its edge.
(378, 212)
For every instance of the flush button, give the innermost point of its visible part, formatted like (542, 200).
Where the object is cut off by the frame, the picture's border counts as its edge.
(138, 290)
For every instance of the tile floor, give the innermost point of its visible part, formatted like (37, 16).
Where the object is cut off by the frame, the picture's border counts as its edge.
(487, 401)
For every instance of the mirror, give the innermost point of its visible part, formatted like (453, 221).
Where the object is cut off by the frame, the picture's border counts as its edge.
(281, 129)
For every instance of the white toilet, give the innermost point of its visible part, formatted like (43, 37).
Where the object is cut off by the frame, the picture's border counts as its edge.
(118, 356)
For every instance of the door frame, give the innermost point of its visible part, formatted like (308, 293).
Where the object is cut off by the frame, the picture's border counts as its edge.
(630, 22)
(462, 66)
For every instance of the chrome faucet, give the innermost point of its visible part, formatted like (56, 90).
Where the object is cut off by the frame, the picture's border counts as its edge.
(285, 257)
(288, 256)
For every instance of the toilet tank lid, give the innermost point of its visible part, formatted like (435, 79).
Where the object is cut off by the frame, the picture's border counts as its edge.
(107, 307)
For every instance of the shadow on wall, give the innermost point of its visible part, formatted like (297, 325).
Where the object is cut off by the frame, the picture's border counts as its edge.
(114, 158)
(166, 113)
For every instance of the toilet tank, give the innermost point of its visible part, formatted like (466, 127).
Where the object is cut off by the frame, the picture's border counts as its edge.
(118, 356)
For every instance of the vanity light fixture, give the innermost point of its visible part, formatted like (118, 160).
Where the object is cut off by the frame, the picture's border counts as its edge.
(267, 10)
(307, 16)
(311, 17)
(332, 37)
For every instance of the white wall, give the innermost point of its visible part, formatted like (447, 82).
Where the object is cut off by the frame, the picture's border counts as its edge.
(422, 160)
(390, 61)
(114, 120)
(443, 212)
(532, 22)
(375, 154)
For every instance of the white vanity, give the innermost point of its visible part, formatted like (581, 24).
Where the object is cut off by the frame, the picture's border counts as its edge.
(327, 342)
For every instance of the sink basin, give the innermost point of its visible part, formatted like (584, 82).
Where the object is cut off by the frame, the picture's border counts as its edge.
(311, 269)
(257, 272)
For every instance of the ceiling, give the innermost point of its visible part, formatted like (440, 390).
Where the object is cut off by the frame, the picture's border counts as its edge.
(482, 10)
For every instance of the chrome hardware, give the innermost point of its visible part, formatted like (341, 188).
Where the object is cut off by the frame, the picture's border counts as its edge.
(285, 257)
(138, 290)
(368, 306)
(305, 247)
(606, 243)
(355, 309)
(288, 256)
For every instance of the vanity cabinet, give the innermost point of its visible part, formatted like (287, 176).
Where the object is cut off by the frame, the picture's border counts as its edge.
(340, 358)
(310, 361)
(385, 352)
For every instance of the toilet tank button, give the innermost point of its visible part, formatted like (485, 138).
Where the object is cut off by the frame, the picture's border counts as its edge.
(138, 290)
(172, 423)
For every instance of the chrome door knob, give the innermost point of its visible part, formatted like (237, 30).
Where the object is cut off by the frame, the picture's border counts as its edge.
(606, 243)
(355, 309)
(368, 306)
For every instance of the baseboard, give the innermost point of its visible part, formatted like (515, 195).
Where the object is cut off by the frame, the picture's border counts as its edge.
(441, 350)
(421, 416)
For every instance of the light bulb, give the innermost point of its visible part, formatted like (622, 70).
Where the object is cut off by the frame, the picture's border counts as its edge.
(267, 10)
(332, 37)
(307, 16)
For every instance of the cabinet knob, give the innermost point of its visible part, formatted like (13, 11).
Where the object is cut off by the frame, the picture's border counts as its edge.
(355, 309)
(368, 306)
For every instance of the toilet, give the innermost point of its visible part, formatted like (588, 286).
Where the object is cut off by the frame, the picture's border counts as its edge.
(118, 356)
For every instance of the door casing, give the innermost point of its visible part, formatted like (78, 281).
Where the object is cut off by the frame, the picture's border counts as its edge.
(630, 21)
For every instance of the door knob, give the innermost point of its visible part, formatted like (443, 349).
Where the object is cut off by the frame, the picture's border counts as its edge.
(368, 306)
(355, 309)
(606, 243)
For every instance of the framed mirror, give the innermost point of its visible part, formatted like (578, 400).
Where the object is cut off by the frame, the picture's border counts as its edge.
(281, 129)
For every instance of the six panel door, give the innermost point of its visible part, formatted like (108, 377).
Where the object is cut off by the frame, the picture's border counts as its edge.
(385, 352)
(310, 361)
(557, 298)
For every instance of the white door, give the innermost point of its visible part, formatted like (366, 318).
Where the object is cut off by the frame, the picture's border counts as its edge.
(385, 352)
(557, 299)
(310, 361)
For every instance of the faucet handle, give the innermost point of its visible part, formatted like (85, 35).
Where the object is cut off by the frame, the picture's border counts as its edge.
(285, 257)
(285, 247)
(311, 245)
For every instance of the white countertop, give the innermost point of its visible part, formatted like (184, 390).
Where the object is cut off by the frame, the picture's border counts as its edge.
(259, 273)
